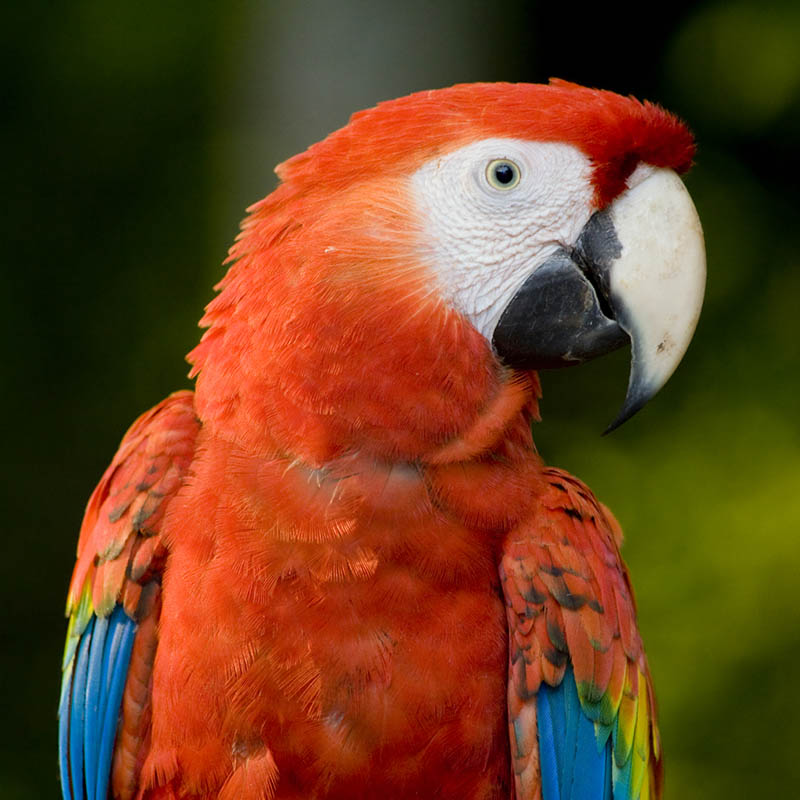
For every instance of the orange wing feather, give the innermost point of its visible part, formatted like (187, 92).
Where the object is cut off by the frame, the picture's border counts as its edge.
(569, 599)
(121, 555)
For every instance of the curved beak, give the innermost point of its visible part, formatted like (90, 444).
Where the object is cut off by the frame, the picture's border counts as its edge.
(636, 273)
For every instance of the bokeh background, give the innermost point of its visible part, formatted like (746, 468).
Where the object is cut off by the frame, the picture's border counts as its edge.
(135, 133)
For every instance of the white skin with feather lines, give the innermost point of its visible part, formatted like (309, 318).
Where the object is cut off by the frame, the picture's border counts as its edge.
(482, 239)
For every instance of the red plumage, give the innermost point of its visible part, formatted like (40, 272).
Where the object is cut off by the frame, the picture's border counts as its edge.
(331, 620)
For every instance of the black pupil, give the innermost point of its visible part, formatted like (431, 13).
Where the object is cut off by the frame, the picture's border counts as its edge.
(504, 173)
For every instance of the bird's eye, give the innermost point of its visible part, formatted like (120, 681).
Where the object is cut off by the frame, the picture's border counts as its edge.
(502, 174)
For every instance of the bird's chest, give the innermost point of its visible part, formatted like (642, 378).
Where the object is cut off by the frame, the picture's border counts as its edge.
(363, 648)
(402, 689)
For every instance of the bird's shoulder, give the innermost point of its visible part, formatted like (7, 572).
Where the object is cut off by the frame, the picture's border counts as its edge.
(571, 611)
(120, 540)
(114, 603)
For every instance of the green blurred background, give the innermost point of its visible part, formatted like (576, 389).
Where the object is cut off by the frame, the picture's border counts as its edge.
(135, 133)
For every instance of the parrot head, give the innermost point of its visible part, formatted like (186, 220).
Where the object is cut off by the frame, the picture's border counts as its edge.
(509, 226)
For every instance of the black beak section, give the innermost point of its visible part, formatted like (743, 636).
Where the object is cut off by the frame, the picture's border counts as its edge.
(636, 274)
(562, 315)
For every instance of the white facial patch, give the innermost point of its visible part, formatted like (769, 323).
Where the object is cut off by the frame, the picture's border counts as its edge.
(481, 239)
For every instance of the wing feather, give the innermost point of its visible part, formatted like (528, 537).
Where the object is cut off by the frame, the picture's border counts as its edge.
(114, 591)
(577, 668)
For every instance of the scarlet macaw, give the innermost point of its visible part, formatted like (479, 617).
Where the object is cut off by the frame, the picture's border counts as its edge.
(339, 568)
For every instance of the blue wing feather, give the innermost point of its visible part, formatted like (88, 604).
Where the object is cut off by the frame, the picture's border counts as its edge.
(571, 760)
(63, 731)
(122, 644)
(548, 743)
(572, 768)
(91, 697)
(77, 712)
(93, 702)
